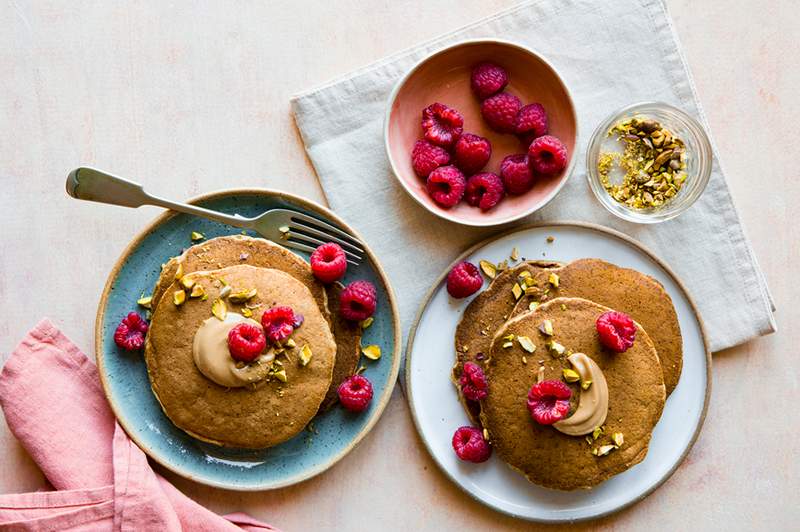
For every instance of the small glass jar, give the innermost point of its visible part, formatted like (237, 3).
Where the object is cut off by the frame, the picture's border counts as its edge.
(698, 160)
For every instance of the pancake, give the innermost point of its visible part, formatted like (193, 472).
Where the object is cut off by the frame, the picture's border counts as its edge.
(626, 290)
(483, 316)
(544, 455)
(227, 251)
(256, 416)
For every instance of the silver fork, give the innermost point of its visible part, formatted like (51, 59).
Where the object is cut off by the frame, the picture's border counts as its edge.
(286, 227)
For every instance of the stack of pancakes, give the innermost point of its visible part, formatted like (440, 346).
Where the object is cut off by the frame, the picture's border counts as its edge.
(572, 296)
(269, 412)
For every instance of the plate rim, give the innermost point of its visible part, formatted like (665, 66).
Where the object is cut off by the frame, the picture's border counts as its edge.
(558, 223)
(301, 202)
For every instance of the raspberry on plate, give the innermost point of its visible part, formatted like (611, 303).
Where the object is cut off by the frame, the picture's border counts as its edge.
(427, 157)
(617, 330)
(547, 155)
(488, 79)
(442, 125)
(473, 382)
(246, 342)
(464, 280)
(516, 174)
(484, 190)
(355, 393)
(500, 111)
(531, 122)
(328, 262)
(548, 401)
(446, 186)
(472, 152)
(469, 445)
(358, 300)
(279, 323)
(130, 332)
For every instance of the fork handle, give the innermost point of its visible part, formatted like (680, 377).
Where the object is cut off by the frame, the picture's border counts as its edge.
(93, 185)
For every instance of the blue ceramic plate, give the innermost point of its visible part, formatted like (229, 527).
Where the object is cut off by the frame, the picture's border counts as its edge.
(127, 387)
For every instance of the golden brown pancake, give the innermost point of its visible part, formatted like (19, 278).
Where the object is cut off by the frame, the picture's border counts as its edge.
(348, 347)
(256, 416)
(544, 455)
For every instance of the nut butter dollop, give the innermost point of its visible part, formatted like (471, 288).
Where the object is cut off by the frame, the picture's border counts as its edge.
(593, 403)
(212, 358)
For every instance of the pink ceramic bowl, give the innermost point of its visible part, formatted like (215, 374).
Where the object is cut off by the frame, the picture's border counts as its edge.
(444, 77)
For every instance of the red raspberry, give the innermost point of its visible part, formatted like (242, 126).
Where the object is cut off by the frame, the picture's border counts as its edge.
(500, 111)
(473, 382)
(355, 393)
(328, 262)
(358, 300)
(516, 173)
(531, 122)
(427, 157)
(617, 330)
(487, 79)
(446, 186)
(279, 323)
(548, 401)
(130, 332)
(547, 155)
(442, 125)
(464, 280)
(472, 152)
(484, 190)
(246, 342)
(469, 445)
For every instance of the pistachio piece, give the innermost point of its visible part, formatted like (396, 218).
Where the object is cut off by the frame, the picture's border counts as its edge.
(517, 291)
(489, 269)
(197, 291)
(179, 271)
(242, 296)
(618, 438)
(290, 343)
(526, 344)
(570, 375)
(187, 282)
(219, 309)
(247, 313)
(550, 239)
(372, 352)
(514, 253)
(195, 236)
(553, 279)
(366, 323)
(555, 346)
(663, 157)
(585, 385)
(281, 375)
(533, 305)
(144, 301)
(597, 432)
(603, 450)
(179, 297)
(305, 355)
(506, 345)
(226, 290)
(546, 327)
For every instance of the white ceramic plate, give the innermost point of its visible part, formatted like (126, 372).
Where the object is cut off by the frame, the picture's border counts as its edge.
(437, 412)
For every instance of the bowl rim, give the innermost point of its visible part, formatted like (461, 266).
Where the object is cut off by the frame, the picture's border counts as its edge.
(443, 213)
(625, 213)
(302, 202)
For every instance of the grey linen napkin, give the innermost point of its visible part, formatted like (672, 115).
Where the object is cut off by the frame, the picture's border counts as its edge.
(610, 54)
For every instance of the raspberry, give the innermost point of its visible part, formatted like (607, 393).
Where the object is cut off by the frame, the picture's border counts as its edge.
(472, 152)
(547, 155)
(516, 173)
(328, 263)
(473, 382)
(358, 300)
(531, 122)
(548, 401)
(246, 342)
(469, 445)
(427, 157)
(487, 79)
(442, 125)
(130, 332)
(355, 393)
(279, 323)
(617, 330)
(500, 111)
(446, 185)
(464, 280)
(484, 190)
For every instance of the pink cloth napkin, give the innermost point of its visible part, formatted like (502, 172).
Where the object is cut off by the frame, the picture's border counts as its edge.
(51, 395)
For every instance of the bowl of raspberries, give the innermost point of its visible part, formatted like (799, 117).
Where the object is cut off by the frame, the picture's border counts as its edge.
(482, 132)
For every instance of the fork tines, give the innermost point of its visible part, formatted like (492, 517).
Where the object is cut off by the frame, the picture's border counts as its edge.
(308, 230)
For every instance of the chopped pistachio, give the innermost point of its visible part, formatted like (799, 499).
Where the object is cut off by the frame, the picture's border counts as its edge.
(570, 375)
(361, 369)
(524, 275)
(187, 282)
(281, 375)
(509, 337)
(506, 345)
(502, 265)
(603, 450)
(366, 323)
(546, 327)
(550, 239)
(589, 440)
(489, 269)
(553, 279)
(558, 348)
(517, 291)
(305, 355)
(514, 253)
(197, 291)
(247, 313)
(597, 432)
(179, 297)
(372, 352)
(563, 306)
(219, 309)
(144, 301)
(486, 434)
(618, 438)
(195, 236)
(585, 384)
(526, 344)
(524, 359)
(226, 290)
(533, 305)
(242, 296)
(179, 271)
